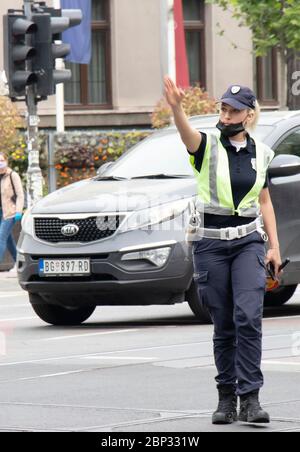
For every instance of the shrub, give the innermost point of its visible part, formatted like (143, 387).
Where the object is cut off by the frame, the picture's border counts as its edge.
(195, 102)
(10, 122)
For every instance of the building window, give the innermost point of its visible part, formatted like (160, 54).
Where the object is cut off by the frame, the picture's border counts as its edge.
(266, 78)
(194, 25)
(90, 86)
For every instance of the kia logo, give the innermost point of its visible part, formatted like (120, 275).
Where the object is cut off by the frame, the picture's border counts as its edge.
(70, 230)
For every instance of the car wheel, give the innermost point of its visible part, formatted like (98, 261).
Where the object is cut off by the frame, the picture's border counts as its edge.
(57, 315)
(201, 312)
(279, 296)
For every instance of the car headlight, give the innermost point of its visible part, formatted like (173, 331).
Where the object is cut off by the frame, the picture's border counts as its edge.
(154, 215)
(27, 223)
(157, 256)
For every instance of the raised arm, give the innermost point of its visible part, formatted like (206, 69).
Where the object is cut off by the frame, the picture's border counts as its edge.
(174, 95)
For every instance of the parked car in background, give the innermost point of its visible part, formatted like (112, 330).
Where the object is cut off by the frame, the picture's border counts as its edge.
(97, 242)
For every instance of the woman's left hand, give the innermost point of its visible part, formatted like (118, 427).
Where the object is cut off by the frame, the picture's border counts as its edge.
(274, 257)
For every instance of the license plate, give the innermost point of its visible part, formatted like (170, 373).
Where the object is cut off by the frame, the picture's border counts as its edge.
(64, 267)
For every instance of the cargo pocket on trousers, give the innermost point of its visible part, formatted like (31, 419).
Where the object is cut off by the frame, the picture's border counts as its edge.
(201, 279)
(262, 272)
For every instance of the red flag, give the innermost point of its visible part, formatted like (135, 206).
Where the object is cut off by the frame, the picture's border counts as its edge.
(182, 68)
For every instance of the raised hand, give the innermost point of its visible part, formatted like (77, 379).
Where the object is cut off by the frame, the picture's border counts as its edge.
(174, 95)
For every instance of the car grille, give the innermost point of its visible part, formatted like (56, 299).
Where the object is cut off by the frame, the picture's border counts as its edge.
(90, 229)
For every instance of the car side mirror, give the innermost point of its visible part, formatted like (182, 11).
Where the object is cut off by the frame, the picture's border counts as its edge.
(103, 168)
(284, 165)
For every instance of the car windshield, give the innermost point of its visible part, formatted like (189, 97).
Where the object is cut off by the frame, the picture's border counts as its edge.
(162, 154)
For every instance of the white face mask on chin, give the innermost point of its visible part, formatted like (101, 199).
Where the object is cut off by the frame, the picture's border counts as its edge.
(3, 165)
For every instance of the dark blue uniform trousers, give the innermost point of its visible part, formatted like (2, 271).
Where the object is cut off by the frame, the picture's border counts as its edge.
(230, 277)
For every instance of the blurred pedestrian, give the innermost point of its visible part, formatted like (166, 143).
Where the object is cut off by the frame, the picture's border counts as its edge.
(11, 208)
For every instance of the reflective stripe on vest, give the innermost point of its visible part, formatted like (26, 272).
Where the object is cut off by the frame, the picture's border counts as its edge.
(214, 182)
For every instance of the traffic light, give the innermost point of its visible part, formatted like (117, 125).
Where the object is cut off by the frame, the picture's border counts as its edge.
(67, 18)
(46, 53)
(50, 25)
(31, 49)
(18, 53)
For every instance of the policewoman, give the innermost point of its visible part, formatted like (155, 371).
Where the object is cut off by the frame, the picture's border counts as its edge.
(230, 257)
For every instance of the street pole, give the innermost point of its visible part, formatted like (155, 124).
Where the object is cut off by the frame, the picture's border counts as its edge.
(171, 41)
(60, 91)
(34, 173)
(163, 41)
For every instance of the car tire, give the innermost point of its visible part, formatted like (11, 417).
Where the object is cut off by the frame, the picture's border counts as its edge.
(201, 312)
(279, 296)
(58, 315)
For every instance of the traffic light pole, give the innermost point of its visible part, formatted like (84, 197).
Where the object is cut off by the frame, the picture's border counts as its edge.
(60, 90)
(34, 172)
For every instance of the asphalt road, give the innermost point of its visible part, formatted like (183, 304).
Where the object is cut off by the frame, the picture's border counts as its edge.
(138, 369)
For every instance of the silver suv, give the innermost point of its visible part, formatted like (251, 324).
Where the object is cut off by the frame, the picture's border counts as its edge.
(119, 238)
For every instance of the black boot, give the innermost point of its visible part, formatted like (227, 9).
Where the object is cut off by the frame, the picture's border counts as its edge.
(251, 411)
(227, 410)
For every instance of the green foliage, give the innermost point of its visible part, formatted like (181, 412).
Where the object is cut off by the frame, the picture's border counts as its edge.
(9, 124)
(79, 155)
(274, 23)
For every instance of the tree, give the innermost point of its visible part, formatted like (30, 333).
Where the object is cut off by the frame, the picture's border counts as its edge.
(274, 24)
(10, 122)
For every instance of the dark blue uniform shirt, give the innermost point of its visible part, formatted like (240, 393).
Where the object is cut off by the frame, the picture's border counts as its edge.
(242, 175)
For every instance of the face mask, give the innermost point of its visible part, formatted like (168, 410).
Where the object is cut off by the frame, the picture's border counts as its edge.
(3, 165)
(231, 130)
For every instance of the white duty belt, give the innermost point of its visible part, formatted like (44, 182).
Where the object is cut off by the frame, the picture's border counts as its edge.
(237, 232)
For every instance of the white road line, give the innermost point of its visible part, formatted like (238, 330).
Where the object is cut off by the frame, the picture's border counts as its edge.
(141, 349)
(278, 335)
(120, 358)
(18, 319)
(11, 294)
(290, 317)
(60, 374)
(78, 371)
(282, 363)
(60, 358)
(79, 336)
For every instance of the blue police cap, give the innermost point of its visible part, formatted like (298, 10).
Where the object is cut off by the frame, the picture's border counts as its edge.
(239, 97)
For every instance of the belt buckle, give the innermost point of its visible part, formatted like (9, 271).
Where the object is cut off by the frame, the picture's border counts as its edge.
(231, 233)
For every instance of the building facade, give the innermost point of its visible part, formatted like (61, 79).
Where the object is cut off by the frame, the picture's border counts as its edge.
(130, 57)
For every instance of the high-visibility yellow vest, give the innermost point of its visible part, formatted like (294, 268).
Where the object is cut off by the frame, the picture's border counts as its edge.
(214, 183)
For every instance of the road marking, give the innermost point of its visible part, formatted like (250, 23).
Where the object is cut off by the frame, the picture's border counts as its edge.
(121, 357)
(59, 358)
(18, 319)
(281, 363)
(80, 356)
(290, 317)
(11, 294)
(73, 372)
(76, 336)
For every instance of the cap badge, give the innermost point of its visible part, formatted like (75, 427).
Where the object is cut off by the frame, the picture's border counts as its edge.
(235, 89)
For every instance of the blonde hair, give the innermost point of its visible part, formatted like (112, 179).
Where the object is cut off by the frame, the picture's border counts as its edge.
(251, 127)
